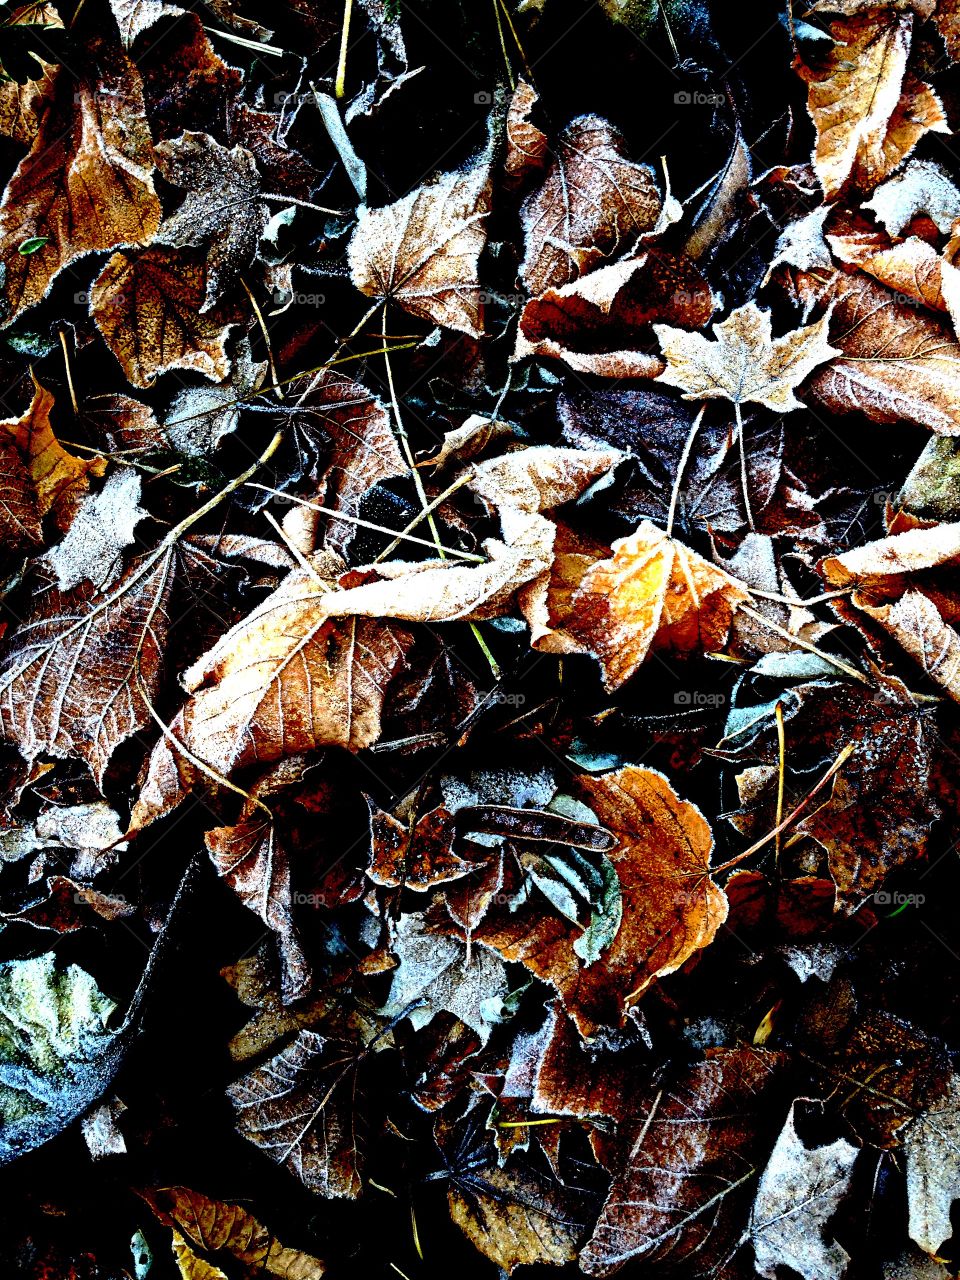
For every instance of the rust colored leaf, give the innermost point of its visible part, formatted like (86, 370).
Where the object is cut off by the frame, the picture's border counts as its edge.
(526, 144)
(671, 907)
(594, 203)
(148, 306)
(86, 183)
(653, 594)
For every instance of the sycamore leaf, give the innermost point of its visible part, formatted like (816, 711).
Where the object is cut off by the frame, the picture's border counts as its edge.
(55, 480)
(652, 594)
(745, 362)
(102, 528)
(299, 1109)
(286, 679)
(57, 1055)
(149, 308)
(86, 183)
(593, 204)
(222, 206)
(670, 906)
(868, 113)
(680, 1189)
(894, 362)
(422, 251)
(77, 675)
(228, 1230)
(799, 1191)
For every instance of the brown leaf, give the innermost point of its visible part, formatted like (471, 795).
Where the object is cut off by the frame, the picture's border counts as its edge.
(286, 679)
(86, 183)
(526, 144)
(54, 480)
(653, 594)
(148, 306)
(947, 18)
(422, 251)
(613, 307)
(912, 268)
(253, 859)
(671, 907)
(415, 855)
(895, 363)
(222, 206)
(690, 1156)
(299, 1109)
(216, 1228)
(77, 674)
(594, 203)
(864, 129)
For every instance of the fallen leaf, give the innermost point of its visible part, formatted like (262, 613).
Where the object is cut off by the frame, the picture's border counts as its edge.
(136, 16)
(933, 1170)
(744, 362)
(222, 206)
(594, 203)
(799, 1191)
(526, 144)
(299, 1109)
(148, 306)
(99, 197)
(670, 907)
(422, 251)
(689, 1158)
(653, 594)
(217, 1227)
(920, 187)
(77, 678)
(101, 530)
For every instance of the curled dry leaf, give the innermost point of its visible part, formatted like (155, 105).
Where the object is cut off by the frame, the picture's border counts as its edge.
(671, 907)
(422, 251)
(911, 268)
(745, 362)
(526, 144)
(100, 196)
(78, 677)
(868, 112)
(149, 308)
(215, 1227)
(652, 594)
(594, 203)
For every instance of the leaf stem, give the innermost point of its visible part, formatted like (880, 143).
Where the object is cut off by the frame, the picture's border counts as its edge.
(340, 88)
(744, 480)
(681, 467)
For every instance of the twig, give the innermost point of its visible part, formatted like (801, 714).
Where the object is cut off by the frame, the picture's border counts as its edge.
(266, 338)
(781, 771)
(418, 519)
(66, 362)
(803, 644)
(340, 87)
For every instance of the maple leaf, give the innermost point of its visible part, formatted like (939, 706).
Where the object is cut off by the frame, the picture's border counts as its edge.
(592, 204)
(216, 1227)
(652, 594)
(868, 111)
(744, 363)
(299, 1108)
(149, 308)
(79, 675)
(101, 197)
(671, 908)
(222, 206)
(422, 251)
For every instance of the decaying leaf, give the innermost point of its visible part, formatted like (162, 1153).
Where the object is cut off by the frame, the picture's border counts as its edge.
(101, 530)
